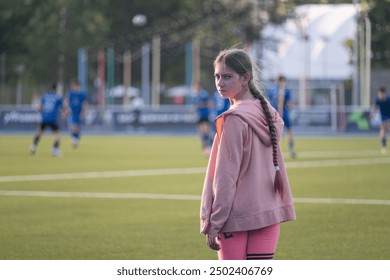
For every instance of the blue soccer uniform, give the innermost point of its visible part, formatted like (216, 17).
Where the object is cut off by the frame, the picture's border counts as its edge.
(203, 109)
(383, 103)
(273, 96)
(384, 108)
(203, 102)
(77, 100)
(220, 104)
(50, 106)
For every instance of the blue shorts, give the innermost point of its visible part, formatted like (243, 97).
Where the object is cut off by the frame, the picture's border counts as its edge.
(287, 122)
(385, 119)
(75, 120)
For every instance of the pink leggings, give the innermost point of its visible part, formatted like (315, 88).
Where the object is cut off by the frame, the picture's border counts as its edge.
(259, 244)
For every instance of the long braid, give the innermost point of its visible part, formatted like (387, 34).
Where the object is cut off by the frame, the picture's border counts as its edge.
(278, 182)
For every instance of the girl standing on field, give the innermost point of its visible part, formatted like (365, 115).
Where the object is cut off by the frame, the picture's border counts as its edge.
(246, 193)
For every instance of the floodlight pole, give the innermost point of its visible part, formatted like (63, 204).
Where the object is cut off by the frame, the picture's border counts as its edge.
(145, 73)
(195, 61)
(355, 77)
(362, 57)
(156, 65)
(61, 46)
(367, 99)
(126, 77)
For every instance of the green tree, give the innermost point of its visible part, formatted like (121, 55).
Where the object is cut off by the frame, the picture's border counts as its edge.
(217, 24)
(44, 35)
(380, 27)
(14, 18)
(57, 29)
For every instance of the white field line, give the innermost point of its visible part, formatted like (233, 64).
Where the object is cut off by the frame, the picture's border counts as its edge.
(338, 154)
(342, 201)
(178, 197)
(181, 171)
(104, 174)
(100, 195)
(337, 162)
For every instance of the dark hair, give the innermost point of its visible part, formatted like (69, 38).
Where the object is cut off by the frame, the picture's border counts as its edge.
(281, 78)
(240, 62)
(75, 81)
(382, 89)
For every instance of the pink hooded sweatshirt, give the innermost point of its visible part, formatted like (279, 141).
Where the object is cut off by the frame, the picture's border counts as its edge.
(238, 192)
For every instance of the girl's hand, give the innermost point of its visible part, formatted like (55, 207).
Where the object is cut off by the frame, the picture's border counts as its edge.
(212, 242)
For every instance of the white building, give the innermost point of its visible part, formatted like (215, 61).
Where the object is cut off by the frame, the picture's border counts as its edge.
(312, 44)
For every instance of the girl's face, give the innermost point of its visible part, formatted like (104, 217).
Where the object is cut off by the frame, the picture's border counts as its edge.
(227, 82)
(381, 95)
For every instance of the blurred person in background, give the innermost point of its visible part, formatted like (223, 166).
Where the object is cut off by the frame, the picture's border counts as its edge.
(220, 105)
(51, 107)
(203, 110)
(137, 105)
(281, 99)
(246, 192)
(76, 101)
(382, 103)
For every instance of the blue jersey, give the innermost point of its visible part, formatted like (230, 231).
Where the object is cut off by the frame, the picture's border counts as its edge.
(51, 106)
(202, 101)
(384, 107)
(273, 96)
(76, 101)
(220, 104)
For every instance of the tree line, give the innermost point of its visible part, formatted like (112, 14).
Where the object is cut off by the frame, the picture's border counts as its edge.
(39, 39)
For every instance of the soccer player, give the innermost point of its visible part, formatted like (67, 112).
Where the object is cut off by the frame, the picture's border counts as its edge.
(383, 104)
(77, 103)
(281, 99)
(50, 107)
(220, 104)
(203, 104)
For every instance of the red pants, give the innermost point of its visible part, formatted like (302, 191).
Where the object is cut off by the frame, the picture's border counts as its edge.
(259, 244)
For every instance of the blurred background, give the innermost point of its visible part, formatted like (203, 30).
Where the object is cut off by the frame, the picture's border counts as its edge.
(334, 54)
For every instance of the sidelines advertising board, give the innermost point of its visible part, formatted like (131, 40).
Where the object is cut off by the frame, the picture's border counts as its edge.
(26, 119)
(18, 119)
(175, 118)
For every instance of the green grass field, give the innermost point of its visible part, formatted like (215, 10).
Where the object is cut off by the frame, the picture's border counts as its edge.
(86, 206)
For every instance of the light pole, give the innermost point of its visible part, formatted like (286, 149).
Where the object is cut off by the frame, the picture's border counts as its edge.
(325, 40)
(61, 46)
(365, 61)
(145, 72)
(355, 77)
(156, 65)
